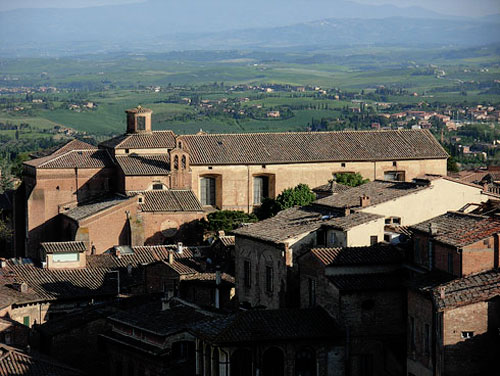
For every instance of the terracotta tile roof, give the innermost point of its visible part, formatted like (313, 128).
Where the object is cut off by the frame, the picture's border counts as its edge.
(170, 200)
(63, 247)
(88, 209)
(74, 159)
(375, 254)
(331, 188)
(460, 229)
(15, 362)
(357, 282)
(294, 222)
(468, 176)
(61, 149)
(459, 291)
(269, 325)
(210, 277)
(378, 191)
(144, 165)
(227, 240)
(151, 318)
(153, 140)
(257, 148)
(96, 279)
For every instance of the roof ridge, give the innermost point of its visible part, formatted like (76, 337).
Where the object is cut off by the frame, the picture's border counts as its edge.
(309, 132)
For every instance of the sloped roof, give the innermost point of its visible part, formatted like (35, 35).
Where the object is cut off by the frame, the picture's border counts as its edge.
(93, 158)
(257, 148)
(90, 208)
(15, 362)
(378, 191)
(460, 229)
(144, 165)
(294, 222)
(73, 144)
(170, 200)
(269, 325)
(153, 140)
(359, 282)
(459, 291)
(372, 255)
(63, 247)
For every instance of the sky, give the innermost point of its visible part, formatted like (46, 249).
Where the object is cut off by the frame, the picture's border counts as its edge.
(449, 7)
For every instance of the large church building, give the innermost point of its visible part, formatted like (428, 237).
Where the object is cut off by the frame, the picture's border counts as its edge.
(145, 186)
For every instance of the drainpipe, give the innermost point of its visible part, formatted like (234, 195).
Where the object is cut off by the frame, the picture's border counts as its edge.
(76, 183)
(248, 188)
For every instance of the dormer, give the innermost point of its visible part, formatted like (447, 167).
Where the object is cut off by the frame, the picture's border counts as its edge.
(138, 120)
(63, 255)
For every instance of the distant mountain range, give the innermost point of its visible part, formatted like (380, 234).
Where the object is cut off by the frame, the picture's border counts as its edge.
(221, 24)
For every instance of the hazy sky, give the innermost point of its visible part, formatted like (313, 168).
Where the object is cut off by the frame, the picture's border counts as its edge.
(449, 7)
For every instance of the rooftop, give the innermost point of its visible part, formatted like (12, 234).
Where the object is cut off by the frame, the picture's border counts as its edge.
(73, 144)
(378, 191)
(16, 362)
(460, 229)
(293, 222)
(269, 325)
(90, 208)
(372, 255)
(170, 200)
(257, 148)
(63, 247)
(144, 165)
(88, 159)
(153, 140)
(360, 282)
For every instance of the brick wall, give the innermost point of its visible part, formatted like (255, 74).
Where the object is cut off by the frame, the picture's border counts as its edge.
(421, 311)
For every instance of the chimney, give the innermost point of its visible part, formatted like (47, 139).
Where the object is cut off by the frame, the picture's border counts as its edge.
(442, 292)
(347, 211)
(485, 187)
(180, 247)
(221, 233)
(364, 201)
(3, 263)
(118, 253)
(170, 258)
(217, 284)
(433, 229)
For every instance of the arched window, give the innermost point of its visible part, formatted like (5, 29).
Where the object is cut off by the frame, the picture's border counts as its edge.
(176, 162)
(183, 161)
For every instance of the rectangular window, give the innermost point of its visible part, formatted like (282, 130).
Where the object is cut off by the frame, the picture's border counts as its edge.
(246, 274)
(207, 191)
(427, 339)
(312, 292)
(394, 175)
(412, 333)
(269, 279)
(450, 263)
(26, 321)
(157, 186)
(66, 257)
(260, 189)
(467, 335)
(321, 237)
(141, 123)
(373, 239)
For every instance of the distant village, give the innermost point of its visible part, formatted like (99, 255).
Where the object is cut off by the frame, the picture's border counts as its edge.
(296, 253)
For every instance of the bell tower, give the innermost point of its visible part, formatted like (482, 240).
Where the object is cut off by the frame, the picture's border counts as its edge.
(139, 120)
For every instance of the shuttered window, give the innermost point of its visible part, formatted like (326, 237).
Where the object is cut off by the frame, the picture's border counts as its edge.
(260, 189)
(207, 191)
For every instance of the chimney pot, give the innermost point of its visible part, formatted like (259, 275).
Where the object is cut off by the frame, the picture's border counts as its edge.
(364, 201)
(180, 247)
(170, 258)
(442, 292)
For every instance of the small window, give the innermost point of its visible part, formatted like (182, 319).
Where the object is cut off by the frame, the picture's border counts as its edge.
(210, 167)
(176, 162)
(321, 237)
(157, 186)
(66, 257)
(467, 335)
(127, 151)
(394, 175)
(373, 239)
(247, 275)
(312, 292)
(394, 163)
(263, 166)
(141, 123)
(342, 164)
(269, 279)
(183, 162)
(396, 220)
(388, 221)
(26, 321)
(140, 200)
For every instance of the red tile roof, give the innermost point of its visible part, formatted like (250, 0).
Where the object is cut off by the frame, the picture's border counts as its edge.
(153, 140)
(74, 158)
(63, 247)
(460, 229)
(257, 148)
(170, 200)
(375, 254)
(144, 165)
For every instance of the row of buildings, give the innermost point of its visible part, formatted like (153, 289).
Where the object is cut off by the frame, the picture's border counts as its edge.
(396, 276)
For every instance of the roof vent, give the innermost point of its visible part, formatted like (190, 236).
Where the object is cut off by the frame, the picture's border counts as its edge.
(180, 247)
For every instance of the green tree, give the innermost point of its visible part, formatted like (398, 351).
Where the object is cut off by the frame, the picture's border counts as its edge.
(300, 195)
(5, 229)
(350, 179)
(227, 220)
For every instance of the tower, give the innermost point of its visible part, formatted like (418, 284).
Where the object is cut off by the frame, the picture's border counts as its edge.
(139, 120)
